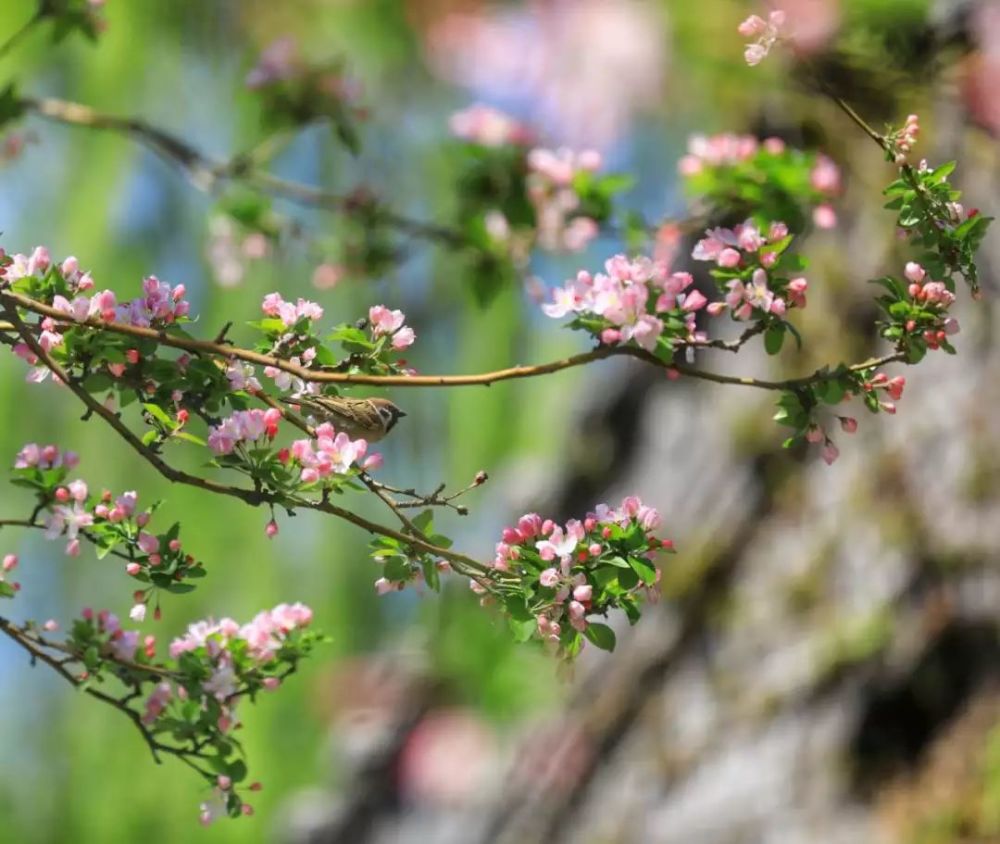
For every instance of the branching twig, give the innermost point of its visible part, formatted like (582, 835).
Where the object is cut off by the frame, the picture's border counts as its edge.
(462, 563)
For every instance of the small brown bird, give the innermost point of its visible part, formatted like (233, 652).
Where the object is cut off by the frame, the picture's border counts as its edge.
(370, 419)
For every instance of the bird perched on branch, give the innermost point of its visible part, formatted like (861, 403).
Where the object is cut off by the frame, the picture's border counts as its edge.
(370, 419)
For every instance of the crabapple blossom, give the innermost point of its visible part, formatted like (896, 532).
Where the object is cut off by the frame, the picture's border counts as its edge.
(290, 313)
(766, 32)
(329, 453)
(243, 426)
(386, 323)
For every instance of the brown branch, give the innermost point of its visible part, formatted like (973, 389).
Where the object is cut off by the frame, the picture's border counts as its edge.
(205, 173)
(226, 350)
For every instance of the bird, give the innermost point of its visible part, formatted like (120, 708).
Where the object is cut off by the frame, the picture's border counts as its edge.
(369, 419)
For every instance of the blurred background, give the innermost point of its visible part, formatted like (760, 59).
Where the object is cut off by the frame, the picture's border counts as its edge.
(823, 666)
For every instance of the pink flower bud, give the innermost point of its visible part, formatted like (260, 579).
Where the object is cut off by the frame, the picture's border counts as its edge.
(271, 529)
(246, 809)
(225, 783)
(728, 258)
(752, 26)
(895, 387)
(595, 549)
(848, 424)
(62, 495)
(383, 586)
(914, 272)
(10, 562)
(583, 593)
(610, 336)
(148, 543)
(133, 569)
(73, 548)
(814, 434)
(51, 625)
(142, 519)
(547, 527)
(830, 453)
(576, 610)
(373, 462)
(510, 536)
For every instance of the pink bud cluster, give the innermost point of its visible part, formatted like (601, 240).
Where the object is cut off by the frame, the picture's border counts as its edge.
(115, 641)
(159, 305)
(935, 297)
(550, 190)
(290, 313)
(488, 127)
(766, 32)
(633, 297)
(386, 323)
(243, 426)
(330, 453)
(906, 138)
(45, 457)
(739, 249)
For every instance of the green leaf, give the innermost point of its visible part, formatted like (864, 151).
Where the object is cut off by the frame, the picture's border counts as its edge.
(600, 635)
(180, 588)
(159, 414)
(645, 569)
(774, 337)
(190, 438)
(424, 521)
(6, 590)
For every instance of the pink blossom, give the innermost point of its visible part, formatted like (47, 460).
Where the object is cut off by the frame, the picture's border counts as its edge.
(914, 272)
(9, 562)
(848, 424)
(824, 216)
(830, 452)
(137, 613)
(549, 578)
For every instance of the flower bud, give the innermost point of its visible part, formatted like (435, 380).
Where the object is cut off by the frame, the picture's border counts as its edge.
(10, 562)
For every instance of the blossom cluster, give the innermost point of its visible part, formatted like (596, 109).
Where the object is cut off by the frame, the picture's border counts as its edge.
(391, 324)
(566, 574)
(291, 314)
(193, 698)
(744, 255)
(551, 190)
(486, 126)
(766, 33)
(243, 426)
(767, 176)
(637, 300)
(330, 453)
(905, 139)
(72, 292)
(73, 512)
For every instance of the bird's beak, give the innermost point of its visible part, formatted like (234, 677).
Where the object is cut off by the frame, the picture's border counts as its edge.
(400, 414)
